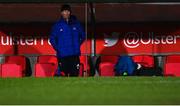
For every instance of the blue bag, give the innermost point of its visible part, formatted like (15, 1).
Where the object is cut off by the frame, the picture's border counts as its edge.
(125, 64)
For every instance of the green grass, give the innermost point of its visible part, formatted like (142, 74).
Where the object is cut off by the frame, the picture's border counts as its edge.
(92, 90)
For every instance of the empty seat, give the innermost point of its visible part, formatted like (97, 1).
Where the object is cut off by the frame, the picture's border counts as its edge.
(106, 67)
(14, 66)
(173, 59)
(46, 66)
(81, 70)
(146, 61)
(172, 66)
(172, 69)
(110, 59)
(84, 65)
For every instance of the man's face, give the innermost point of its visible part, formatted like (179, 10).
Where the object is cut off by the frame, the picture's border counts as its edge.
(65, 14)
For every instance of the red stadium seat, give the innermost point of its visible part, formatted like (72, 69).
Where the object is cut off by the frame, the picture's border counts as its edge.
(172, 69)
(107, 64)
(107, 69)
(46, 66)
(84, 65)
(14, 66)
(81, 70)
(146, 61)
(172, 66)
(110, 59)
(173, 59)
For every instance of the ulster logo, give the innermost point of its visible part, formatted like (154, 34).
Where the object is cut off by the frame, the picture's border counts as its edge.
(134, 39)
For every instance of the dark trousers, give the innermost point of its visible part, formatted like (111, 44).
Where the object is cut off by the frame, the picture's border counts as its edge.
(69, 65)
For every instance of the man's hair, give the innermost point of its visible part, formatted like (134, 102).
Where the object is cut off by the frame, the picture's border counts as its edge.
(65, 7)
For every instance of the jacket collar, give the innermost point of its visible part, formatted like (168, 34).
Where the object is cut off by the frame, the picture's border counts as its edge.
(72, 20)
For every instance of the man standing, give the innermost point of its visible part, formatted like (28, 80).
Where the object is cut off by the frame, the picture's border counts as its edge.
(66, 37)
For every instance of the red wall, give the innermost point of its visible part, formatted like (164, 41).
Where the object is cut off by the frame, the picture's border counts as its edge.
(122, 38)
(32, 39)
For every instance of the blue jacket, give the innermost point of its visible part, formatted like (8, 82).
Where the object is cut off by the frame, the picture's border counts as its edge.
(66, 38)
(125, 64)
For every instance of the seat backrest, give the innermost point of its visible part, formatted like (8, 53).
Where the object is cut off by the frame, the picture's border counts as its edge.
(84, 61)
(20, 60)
(145, 60)
(106, 69)
(173, 59)
(81, 70)
(47, 59)
(172, 69)
(109, 59)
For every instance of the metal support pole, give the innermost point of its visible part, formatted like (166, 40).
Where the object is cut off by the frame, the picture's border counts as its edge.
(93, 26)
(93, 41)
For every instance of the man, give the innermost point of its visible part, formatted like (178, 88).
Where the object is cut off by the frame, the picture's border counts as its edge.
(66, 37)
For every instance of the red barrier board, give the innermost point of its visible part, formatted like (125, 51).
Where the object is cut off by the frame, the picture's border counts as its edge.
(30, 39)
(138, 39)
(144, 38)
